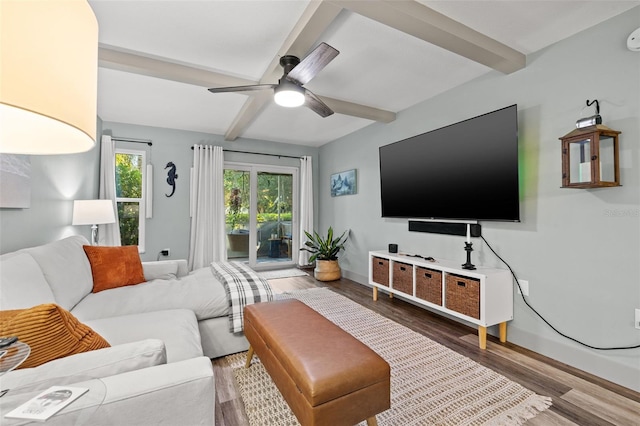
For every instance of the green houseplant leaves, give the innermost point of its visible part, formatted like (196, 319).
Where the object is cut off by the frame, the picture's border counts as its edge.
(324, 248)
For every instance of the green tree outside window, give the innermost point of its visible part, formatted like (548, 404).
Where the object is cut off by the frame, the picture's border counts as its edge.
(129, 196)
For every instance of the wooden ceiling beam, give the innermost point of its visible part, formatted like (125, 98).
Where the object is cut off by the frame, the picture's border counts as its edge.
(358, 110)
(414, 18)
(133, 62)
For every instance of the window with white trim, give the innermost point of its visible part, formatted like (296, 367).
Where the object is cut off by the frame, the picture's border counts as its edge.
(130, 196)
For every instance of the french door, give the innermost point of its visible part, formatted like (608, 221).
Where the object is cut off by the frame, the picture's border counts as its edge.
(261, 207)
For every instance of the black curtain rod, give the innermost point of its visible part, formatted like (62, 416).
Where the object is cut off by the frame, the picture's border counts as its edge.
(147, 141)
(259, 153)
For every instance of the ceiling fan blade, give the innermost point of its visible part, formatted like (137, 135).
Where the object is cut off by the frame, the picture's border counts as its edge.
(314, 103)
(242, 88)
(311, 65)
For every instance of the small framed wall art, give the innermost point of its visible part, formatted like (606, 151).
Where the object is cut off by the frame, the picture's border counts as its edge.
(344, 183)
(15, 181)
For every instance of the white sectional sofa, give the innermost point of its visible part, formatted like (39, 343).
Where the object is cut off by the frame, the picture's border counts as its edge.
(162, 332)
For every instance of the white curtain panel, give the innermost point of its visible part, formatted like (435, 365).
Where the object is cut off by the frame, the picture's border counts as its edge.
(306, 206)
(208, 235)
(149, 193)
(191, 197)
(108, 234)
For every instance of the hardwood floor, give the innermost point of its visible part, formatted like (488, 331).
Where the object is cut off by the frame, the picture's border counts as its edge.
(579, 398)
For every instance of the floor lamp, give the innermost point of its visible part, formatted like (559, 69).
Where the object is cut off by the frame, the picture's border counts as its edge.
(94, 213)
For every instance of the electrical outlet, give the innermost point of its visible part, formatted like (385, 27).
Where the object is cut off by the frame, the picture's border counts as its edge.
(524, 285)
(637, 323)
(165, 252)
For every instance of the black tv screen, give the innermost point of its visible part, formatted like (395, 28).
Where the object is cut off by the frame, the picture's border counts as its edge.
(465, 171)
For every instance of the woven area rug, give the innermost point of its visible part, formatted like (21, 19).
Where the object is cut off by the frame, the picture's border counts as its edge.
(430, 384)
(282, 273)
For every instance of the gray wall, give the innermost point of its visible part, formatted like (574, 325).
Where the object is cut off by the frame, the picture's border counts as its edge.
(56, 180)
(59, 179)
(169, 226)
(579, 249)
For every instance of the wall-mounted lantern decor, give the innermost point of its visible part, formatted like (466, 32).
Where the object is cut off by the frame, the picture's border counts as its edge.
(590, 154)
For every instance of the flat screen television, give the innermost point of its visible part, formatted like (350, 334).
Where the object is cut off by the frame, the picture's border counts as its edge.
(464, 171)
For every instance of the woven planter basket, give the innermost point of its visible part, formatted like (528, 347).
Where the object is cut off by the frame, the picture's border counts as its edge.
(327, 270)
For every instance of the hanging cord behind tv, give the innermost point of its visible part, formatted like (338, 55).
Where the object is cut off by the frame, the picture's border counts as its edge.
(543, 319)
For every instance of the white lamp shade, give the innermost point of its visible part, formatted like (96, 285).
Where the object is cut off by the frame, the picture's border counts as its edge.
(93, 212)
(49, 78)
(289, 95)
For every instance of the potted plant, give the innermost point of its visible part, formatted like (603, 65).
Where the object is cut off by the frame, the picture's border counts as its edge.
(324, 251)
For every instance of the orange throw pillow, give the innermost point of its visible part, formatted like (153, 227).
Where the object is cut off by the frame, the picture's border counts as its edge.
(113, 267)
(50, 331)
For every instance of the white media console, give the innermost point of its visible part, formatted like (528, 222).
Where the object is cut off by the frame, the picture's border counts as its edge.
(483, 296)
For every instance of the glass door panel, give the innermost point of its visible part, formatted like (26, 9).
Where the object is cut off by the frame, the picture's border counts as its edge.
(274, 215)
(237, 196)
(261, 214)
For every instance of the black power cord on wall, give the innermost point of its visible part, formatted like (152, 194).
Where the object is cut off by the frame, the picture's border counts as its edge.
(543, 319)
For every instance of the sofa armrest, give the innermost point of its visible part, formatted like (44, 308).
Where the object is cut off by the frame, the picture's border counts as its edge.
(180, 393)
(98, 363)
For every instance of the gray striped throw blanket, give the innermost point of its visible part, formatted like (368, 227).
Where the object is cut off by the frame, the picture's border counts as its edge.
(243, 287)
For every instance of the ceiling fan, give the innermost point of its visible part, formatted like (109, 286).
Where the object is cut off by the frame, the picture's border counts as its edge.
(288, 91)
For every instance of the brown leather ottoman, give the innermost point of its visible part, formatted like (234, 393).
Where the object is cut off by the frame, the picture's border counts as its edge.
(327, 376)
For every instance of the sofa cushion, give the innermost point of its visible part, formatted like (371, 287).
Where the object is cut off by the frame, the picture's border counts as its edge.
(177, 328)
(50, 331)
(199, 291)
(99, 363)
(183, 267)
(160, 270)
(113, 267)
(22, 284)
(66, 269)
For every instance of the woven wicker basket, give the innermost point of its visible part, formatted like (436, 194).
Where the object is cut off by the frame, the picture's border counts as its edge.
(380, 270)
(462, 294)
(403, 277)
(429, 285)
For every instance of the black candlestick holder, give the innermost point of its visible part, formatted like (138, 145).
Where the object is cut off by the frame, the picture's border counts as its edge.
(468, 247)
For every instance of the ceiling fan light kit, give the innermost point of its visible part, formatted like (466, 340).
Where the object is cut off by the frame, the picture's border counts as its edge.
(288, 94)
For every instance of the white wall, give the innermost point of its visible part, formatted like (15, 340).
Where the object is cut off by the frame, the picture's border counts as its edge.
(579, 249)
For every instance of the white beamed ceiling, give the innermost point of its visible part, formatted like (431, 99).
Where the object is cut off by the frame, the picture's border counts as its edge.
(158, 57)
